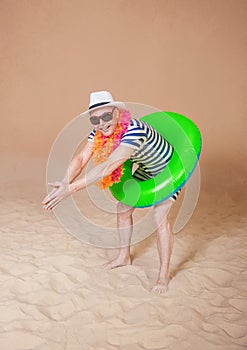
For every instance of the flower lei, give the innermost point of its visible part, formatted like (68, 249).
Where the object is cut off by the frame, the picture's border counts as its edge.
(105, 145)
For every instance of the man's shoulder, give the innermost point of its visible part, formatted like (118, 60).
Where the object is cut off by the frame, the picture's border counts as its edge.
(136, 123)
(137, 129)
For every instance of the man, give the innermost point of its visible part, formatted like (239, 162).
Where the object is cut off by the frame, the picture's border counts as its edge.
(117, 137)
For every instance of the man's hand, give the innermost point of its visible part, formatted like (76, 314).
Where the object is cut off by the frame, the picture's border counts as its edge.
(59, 193)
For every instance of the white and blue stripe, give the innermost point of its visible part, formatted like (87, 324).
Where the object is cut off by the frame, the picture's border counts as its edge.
(152, 152)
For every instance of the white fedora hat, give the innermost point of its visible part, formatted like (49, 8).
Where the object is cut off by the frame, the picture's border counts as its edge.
(99, 99)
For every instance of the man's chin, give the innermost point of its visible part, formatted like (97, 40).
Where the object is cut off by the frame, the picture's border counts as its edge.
(107, 132)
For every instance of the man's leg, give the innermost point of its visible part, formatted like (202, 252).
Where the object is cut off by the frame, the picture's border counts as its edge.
(165, 244)
(125, 228)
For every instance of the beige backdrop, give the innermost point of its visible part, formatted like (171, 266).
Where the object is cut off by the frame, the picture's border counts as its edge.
(187, 56)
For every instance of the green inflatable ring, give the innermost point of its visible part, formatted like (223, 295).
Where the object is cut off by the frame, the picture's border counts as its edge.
(185, 137)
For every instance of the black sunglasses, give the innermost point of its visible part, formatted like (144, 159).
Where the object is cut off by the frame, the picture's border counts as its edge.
(106, 117)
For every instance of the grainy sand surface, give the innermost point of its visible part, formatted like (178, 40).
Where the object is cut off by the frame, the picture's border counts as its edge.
(55, 295)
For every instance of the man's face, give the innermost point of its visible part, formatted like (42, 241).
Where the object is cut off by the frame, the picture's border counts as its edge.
(108, 124)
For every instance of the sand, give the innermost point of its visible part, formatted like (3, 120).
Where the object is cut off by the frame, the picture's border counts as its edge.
(55, 295)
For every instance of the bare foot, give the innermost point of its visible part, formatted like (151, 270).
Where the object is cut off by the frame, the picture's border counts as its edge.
(118, 262)
(161, 285)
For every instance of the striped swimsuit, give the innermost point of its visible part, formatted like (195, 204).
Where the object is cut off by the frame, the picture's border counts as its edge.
(151, 151)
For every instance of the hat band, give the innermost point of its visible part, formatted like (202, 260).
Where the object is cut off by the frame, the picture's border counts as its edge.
(98, 104)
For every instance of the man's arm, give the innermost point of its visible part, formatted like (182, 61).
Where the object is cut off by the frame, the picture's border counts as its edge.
(61, 189)
(117, 158)
(78, 163)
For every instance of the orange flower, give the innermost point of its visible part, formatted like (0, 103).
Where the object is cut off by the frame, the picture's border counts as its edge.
(104, 146)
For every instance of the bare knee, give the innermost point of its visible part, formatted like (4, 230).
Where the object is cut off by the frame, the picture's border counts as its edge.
(161, 213)
(124, 210)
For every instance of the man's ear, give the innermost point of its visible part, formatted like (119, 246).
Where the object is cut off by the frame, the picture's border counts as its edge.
(117, 112)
